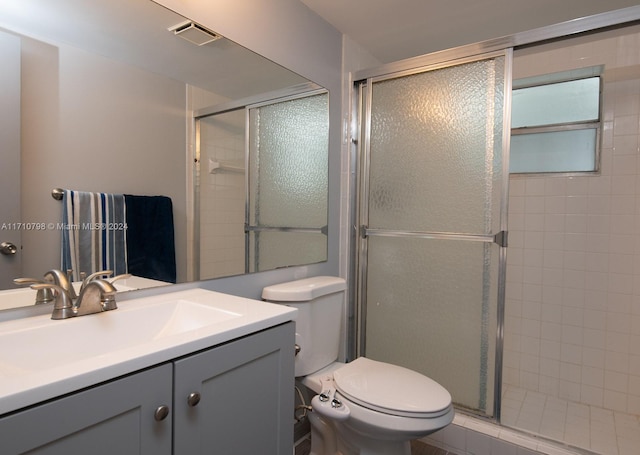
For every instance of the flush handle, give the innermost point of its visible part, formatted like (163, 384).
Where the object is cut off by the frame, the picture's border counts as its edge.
(161, 413)
(193, 399)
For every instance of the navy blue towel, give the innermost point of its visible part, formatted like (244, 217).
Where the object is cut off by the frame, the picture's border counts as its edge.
(150, 237)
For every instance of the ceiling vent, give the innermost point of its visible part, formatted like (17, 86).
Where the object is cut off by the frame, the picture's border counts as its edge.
(194, 33)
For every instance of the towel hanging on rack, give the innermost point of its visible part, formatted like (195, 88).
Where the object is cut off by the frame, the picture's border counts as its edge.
(123, 233)
(150, 237)
(94, 237)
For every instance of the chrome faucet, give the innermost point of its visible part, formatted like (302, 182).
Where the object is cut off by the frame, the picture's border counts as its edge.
(96, 294)
(62, 303)
(61, 279)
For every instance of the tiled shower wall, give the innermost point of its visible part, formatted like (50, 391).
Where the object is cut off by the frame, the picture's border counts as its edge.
(222, 197)
(572, 325)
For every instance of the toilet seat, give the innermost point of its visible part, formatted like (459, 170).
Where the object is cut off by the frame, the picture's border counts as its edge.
(391, 389)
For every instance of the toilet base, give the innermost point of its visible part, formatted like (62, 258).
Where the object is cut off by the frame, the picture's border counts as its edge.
(328, 438)
(323, 436)
(353, 443)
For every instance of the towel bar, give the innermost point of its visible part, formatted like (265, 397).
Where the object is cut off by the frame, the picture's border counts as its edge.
(57, 193)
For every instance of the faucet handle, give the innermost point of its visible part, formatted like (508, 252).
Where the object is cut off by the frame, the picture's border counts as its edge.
(109, 294)
(123, 276)
(95, 275)
(62, 306)
(43, 295)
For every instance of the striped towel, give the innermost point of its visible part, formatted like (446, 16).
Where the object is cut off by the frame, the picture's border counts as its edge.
(94, 237)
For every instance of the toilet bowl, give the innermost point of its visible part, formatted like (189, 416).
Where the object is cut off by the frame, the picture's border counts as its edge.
(387, 405)
(364, 407)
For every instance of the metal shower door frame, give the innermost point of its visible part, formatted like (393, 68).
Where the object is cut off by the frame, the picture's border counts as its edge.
(363, 89)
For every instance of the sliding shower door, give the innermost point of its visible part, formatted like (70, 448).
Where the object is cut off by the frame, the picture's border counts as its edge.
(261, 182)
(288, 183)
(432, 223)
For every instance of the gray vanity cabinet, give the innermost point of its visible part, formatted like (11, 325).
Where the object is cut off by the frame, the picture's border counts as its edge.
(238, 397)
(112, 418)
(233, 399)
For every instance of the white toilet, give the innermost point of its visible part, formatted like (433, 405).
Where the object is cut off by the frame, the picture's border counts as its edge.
(363, 407)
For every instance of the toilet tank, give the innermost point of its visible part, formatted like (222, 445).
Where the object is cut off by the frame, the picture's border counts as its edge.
(319, 320)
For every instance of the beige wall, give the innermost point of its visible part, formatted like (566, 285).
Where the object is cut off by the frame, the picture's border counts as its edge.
(93, 124)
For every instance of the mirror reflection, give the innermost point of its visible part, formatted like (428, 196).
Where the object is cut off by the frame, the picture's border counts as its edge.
(283, 144)
(104, 97)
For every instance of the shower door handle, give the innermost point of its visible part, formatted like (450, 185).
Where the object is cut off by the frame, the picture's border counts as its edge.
(500, 238)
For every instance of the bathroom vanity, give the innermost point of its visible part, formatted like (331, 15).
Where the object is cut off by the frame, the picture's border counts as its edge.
(206, 372)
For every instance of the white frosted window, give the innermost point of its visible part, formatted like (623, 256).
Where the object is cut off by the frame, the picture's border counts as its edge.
(555, 125)
(559, 151)
(563, 102)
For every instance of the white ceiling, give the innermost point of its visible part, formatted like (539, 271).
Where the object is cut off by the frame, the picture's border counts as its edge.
(392, 30)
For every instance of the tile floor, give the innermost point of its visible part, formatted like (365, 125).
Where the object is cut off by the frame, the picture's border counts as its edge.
(588, 427)
(417, 448)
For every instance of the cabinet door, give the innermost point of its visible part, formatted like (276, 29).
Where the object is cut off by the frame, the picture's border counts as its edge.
(246, 390)
(114, 418)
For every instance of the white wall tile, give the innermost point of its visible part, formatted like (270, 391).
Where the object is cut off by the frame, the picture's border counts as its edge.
(575, 278)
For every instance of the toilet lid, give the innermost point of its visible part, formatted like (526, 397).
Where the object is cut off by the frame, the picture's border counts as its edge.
(391, 389)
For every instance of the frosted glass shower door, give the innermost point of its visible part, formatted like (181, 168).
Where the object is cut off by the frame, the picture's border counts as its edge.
(432, 224)
(288, 183)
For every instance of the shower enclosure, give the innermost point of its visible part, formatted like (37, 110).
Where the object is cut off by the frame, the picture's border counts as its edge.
(261, 185)
(546, 339)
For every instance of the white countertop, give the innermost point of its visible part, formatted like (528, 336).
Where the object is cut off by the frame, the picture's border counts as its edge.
(43, 358)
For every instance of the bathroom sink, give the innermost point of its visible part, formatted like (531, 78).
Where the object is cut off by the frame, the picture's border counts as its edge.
(43, 358)
(84, 337)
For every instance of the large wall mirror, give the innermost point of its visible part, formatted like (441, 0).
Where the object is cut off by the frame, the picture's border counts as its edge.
(104, 96)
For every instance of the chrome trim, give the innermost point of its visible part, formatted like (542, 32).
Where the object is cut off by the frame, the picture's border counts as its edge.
(322, 230)
(290, 97)
(590, 125)
(488, 238)
(502, 252)
(247, 189)
(364, 144)
(352, 263)
(267, 98)
(563, 29)
(436, 65)
(196, 199)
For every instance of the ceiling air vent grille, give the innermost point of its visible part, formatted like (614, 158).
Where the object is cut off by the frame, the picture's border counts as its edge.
(194, 33)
